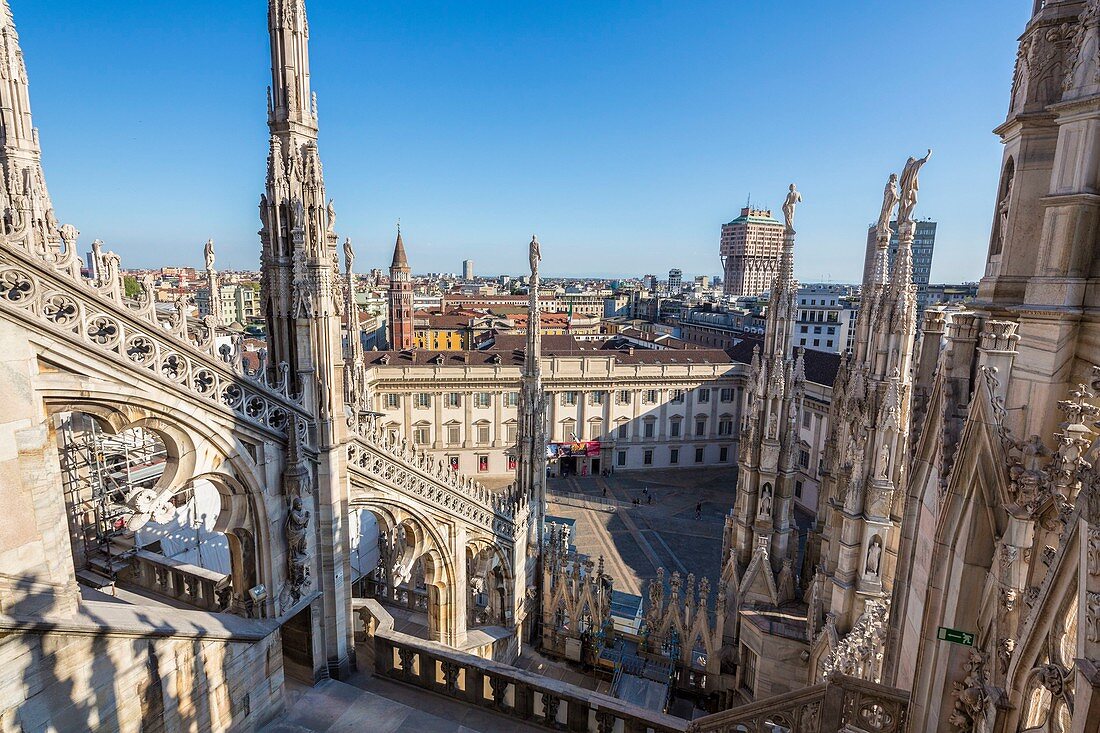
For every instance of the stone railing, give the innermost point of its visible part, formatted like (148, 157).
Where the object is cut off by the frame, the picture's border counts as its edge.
(412, 599)
(500, 687)
(202, 589)
(840, 703)
(172, 347)
(403, 468)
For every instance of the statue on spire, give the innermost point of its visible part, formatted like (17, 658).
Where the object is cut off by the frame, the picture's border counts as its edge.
(535, 255)
(890, 199)
(793, 199)
(208, 254)
(910, 186)
(349, 255)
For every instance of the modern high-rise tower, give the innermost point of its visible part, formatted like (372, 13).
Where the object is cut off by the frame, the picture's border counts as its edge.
(675, 281)
(467, 269)
(924, 242)
(751, 248)
(401, 299)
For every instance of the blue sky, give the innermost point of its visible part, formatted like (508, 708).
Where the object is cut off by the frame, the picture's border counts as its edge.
(623, 133)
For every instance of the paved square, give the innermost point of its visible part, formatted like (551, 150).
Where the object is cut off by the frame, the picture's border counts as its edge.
(636, 540)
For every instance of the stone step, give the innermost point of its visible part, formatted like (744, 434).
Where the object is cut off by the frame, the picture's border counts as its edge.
(382, 706)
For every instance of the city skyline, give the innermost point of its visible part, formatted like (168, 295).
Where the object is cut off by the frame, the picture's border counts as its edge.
(591, 173)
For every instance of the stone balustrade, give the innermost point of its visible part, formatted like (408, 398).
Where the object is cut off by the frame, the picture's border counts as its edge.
(202, 589)
(840, 703)
(411, 598)
(500, 687)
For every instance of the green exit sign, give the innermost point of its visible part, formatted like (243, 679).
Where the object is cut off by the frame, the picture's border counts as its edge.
(955, 636)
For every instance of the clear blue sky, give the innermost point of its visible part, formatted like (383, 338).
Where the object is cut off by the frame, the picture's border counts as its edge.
(623, 133)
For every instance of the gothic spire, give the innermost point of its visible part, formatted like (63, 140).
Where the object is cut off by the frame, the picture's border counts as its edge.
(23, 186)
(399, 257)
(291, 104)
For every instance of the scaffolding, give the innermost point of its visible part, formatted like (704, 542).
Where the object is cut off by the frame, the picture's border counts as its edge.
(101, 471)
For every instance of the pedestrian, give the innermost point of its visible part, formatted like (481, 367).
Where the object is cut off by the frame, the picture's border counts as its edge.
(699, 510)
(605, 492)
(650, 499)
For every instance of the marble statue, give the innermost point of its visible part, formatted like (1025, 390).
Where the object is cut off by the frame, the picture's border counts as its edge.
(890, 200)
(874, 556)
(1002, 213)
(535, 254)
(349, 255)
(297, 526)
(793, 199)
(766, 501)
(208, 254)
(910, 186)
(330, 226)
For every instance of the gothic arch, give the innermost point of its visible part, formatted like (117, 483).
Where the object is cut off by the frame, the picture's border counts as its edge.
(445, 598)
(970, 521)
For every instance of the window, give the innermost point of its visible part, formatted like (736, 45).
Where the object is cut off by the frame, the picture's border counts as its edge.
(725, 426)
(804, 458)
(623, 430)
(647, 457)
(483, 434)
(748, 670)
(452, 461)
(483, 399)
(817, 342)
(674, 428)
(452, 399)
(511, 432)
(422, 435)
(568, 430)
(804, 329)
(595, 429)
(807, 419)
(829, 343)
(482, 463)
(727, 394)
(621, 458)
(704, 396)
(676, 397)
(724, 454)
(699, 453)
(454, 434)
(623, 397)
(798, 489)
(511, 399)
(648, 428)
(817, 329)
(569, 398)
(673, 456)
(700, 428)
(393, 401)
(650, 397)
(423, 400)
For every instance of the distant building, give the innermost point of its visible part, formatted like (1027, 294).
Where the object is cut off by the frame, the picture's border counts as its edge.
(400, 299)
(951, 294)
(675, 281)
(825, 319)
(924, 242)
(750, 249)
(240, 303)
(467, 269)
(650, 282)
